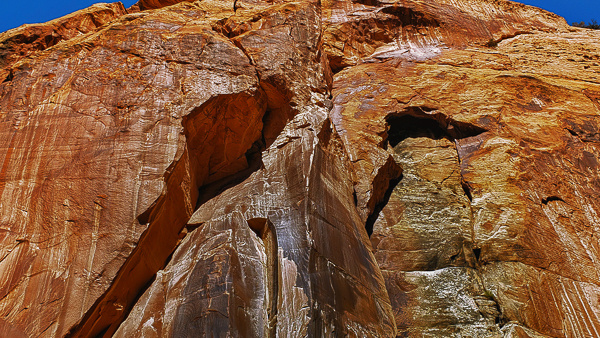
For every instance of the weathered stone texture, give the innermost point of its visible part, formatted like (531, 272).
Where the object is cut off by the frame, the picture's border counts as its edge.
(418, 30)
(304, 190)
(281, 169)
(102, 164)
(24, 41)
(530, 176)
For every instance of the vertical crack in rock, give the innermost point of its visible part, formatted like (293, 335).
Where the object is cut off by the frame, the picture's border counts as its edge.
(265, 230)
(466, 188)
(337, 286)
(167, 217)
(477, 253)
(382, 184)
(379, 206)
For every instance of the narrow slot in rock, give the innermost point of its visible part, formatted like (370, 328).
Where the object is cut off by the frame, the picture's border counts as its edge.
(379, 206)
(265, 230)
(477, 253)
(467, 189)
(572, 132)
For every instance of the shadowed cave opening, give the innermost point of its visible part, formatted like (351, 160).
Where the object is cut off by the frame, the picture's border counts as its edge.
(549, 199)
(418, 122)
(407, 126)
(477, 253)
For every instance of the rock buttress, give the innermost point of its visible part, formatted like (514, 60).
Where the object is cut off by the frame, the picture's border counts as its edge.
(222, 275)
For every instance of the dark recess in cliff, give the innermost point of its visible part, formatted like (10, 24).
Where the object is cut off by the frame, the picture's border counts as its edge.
(419, 122)
(386, 198)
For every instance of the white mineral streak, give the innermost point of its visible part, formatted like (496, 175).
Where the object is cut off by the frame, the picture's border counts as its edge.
(413, 45)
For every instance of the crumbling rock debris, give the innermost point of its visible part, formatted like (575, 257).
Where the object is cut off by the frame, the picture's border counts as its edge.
(254, 168)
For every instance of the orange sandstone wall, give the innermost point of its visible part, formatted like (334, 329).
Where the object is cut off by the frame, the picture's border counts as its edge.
(256, 168)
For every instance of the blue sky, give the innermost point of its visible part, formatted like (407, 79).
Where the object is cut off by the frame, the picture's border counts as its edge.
(17, 12)
(572, 10)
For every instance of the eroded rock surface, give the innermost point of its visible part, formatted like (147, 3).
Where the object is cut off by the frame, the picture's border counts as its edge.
(304, 192)
(106, 141)
(26, 40)
(530, 178)
(283, 169)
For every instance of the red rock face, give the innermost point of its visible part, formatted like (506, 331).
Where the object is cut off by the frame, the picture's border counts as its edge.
(515, 226)
(154, 4)
(419, 30)
(24, 41)
(252, 169)
(98, 117)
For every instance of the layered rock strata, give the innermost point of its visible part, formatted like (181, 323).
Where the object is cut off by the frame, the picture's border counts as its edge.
(251, 169)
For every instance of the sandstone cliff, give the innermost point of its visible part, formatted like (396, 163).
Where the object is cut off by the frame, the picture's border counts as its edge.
(254, 168)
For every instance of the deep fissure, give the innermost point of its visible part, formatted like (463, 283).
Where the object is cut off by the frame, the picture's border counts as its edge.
(379, 206)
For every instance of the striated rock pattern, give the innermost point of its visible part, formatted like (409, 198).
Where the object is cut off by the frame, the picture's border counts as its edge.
(524, 148)
(249, 168)
(26, 40)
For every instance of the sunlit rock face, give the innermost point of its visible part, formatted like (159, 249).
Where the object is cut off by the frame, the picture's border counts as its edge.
(291, 169)
(499, 184)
